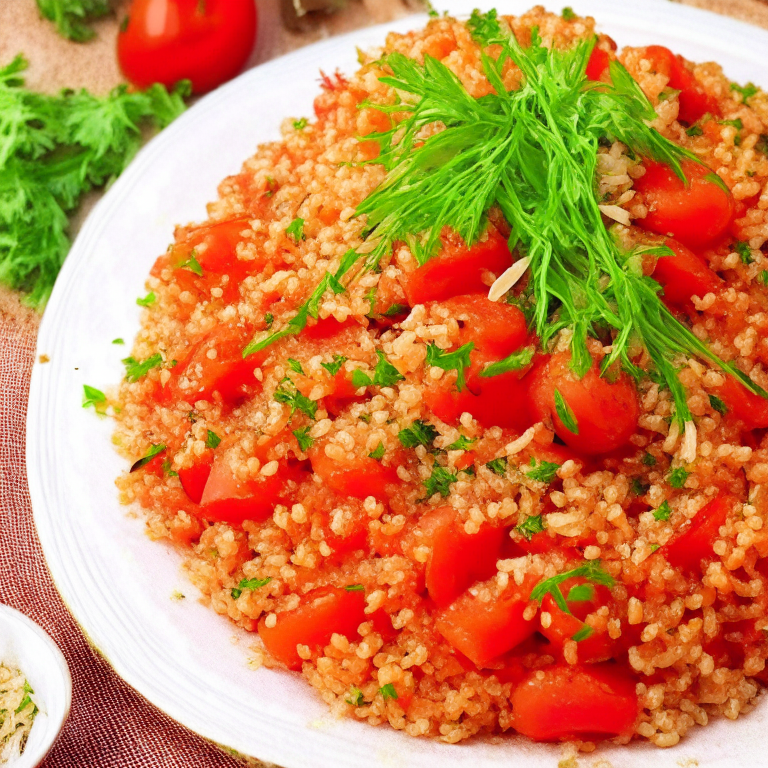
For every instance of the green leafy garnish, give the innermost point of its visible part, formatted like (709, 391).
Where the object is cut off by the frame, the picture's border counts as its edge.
(591, 571)
(694, 130)
(515, 362)
(396, 309)
(94, 397)
(677, 477)
(355, 588)
(580, 593)
(251, 584)
(531, 526)
(718, 405)
(167, 470)
(192, 265)
(355, 698)
(568, 14)
(747, 91)
(148, 300)
(304, 439)
(462, 444)
(733, 123)
(638, 487)
(118, 341)
(384, 374)
(585, 632)
(289, 394)
(565, 414)
(744, 251)
(135, 370)
(212, 440)
(763, 277)
(458, 360)
(334, 367)
(388, 691)
(379, 452)
(649, 460)
(419, 433)
(295, 230)
(72, 17)
(155, 450)
(498, 466)
(269, 318)
(543, 471)
(295, 366)
(300, 124)
(663, 512)
(440, 481)
(655, 547)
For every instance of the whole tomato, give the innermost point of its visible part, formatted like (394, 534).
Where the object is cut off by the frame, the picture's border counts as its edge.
(205, 41)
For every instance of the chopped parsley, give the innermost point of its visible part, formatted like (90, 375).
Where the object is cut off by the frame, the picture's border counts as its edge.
(744, 251)
(655, 547)
(378, 452)
(355, 698)
(531, 526)
(288, 393)
(334, 367)
(457, 360)
(718, 405)
(396, 309)
(295, 366)
(384, 374)
(663, 512)
(148, 300)
(135, 370)
(440, 481)
(462, 444)
(388, 691)
(303, 438)
(747, 91)
(638, 487)
(251, 584)
(592, 571)
(763, 277)
(212, 440)
(94, 397)
(155, 450)
(585, 632)
(649, 460)
(565, 414)
(269, 318)
(300, 124)
(694, 130)
(568, 14)
(580, 593)
(514, 362)
(118, 341)
(295, 230)
(355, 588)
(167, 471)
(192, 264)
(677, 477)
(543, 471)
(498, 466)
(419, 433)
(737, 124)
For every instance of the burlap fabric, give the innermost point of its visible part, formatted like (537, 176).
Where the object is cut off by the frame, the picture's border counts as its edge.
(110, 725)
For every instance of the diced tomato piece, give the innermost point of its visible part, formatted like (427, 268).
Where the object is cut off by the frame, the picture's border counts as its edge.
(360, 477)
(563, 626)
(575, 702)
(484, 630)
(684, 275)
(458, 269)
(693, 542)
(605, 412)
(696, 213)
(194, 478)
(323, 612)
(599, 61)
(458, 559)
(327, 328)
(752, 409)
(343, 393)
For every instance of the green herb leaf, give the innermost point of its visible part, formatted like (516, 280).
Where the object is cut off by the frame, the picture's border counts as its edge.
(663, 512)
(251, 584)
(543, 471)
(458, 360)
(295, 366)
(384, 374)
(655, 547)
(379, 452)
(355, 588)
(744, 251)
(419, 433)
(568, 14)
(167, 471)
(73, 17)
(192, 265)
(733, 123)
(638, 487)
(649, 460)
(295, 230)
(515, 362)
(287, 393)
(763, 277)
(94, 397)
(718, 405)
(155, 450)
(747, 91)
(498, 466)
(591, 570)
(304, 439)
(334, 367)
(396, 309)
(585, 632)
(388, 691)
(148, 300)
(694, 130)
(135, 370)
(212, 440)
(580, 593)
(677, 477)
(118, 341)
(355, 698)
(565, 414)
(300, 124)
(531, 526)
(440, 481)
(269, 318)
(462, 444)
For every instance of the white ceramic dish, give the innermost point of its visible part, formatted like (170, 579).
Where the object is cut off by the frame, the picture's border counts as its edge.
(25, 646)
(117, 583)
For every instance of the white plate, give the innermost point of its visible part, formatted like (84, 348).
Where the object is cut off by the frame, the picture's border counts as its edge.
(117, 583)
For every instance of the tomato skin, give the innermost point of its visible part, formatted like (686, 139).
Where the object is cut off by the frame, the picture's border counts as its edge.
(323, 612)
(457, 559)
(194, 478)
(598, 62)
(361, 477)
(458, 269)
(684, 275)
(571, 702)
(693, 542)
(482, 631)
(752, 409)
(606, 413)
(170, 40)
(695, 215)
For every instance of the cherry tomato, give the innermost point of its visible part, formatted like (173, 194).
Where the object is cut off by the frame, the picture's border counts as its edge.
(684, 275)
(568, 702)
(205, 41)
(752, 409)
(696, 213)
(605, 412)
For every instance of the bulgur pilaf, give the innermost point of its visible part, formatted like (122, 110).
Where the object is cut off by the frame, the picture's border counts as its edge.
(417, 493)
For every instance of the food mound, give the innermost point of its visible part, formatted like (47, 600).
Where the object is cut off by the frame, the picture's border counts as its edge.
(458, 400)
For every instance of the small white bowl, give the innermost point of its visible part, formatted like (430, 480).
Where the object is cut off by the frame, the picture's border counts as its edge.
(25, 646)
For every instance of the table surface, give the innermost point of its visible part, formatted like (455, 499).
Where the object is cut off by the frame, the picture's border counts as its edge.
(110, 724)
